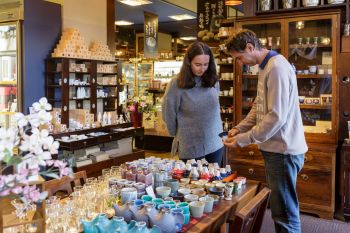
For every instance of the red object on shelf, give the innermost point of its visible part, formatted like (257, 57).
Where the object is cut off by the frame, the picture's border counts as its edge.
(136, 117)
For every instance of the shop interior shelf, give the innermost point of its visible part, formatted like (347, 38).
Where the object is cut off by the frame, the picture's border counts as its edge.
(314, 76)
(108, 85)
(106, 74)
(155, 91)
(225, 64)
(8, 53)
(225, 80)
(106, 98)
(301, 8)
(8, 83)
(249, 76)
(315, 106)
(80, 98)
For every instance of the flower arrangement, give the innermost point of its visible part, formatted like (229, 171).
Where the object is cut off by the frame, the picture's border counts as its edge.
(35, 148)
(141, 104)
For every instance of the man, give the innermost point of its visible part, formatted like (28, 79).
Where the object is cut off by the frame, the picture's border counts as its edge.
(275, 124)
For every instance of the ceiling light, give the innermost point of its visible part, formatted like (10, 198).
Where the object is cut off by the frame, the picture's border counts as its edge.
(182, 17)
(188, 38)
(123, 23)
(135, 2)
(233, 2)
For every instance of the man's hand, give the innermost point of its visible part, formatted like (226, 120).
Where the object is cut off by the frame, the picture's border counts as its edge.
(233, 132)
(231, 142)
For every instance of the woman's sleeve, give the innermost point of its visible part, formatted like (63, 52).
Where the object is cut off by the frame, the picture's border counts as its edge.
(170, 106)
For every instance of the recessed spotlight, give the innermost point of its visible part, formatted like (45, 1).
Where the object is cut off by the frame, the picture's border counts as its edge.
(123, 23)
(182, 17)
(188, 38)
(135, 2)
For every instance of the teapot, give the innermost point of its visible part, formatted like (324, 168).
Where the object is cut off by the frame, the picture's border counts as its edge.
(167, 221)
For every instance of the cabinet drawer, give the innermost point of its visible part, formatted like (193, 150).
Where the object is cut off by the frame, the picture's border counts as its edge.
(250, 152)
(315, 187)
(249, 170)
(83, 143)
(346, 155)
(319, 160)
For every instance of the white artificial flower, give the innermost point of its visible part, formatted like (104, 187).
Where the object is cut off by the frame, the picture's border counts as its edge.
(42, 105)
(44, 117)
(51, 145)
(8, 137)
(31, 144)
(143, 97)
(21, 119)
(34, 161)
(136, 99)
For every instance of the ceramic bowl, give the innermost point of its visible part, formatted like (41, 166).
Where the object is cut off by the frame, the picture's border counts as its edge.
(209, 185)
(216, 191)
(199, 193)
(184, 191)
(220, 185)
(163, 191)
(184, 180)
(191, 197)
(312, 69)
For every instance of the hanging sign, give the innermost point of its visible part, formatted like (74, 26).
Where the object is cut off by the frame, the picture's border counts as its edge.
(151, 35)
(210, 13)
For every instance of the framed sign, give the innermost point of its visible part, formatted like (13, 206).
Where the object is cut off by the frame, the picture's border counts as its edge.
(210, 13)
(151, 35)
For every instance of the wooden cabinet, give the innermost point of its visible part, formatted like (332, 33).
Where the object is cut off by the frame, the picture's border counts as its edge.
(345, 179)
(66, 77)
(306, 40)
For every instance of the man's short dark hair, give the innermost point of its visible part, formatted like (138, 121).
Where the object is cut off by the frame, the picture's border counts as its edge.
(239, 41)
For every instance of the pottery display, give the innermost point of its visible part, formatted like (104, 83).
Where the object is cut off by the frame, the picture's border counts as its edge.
(124, 211)
(141, 227)
(197, 209)
(287, 4)
(310, 2)
(91, 226)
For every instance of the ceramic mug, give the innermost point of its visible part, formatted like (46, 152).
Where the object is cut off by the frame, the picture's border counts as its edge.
(163, 191)
(209, 203)
(173, 184)
(128, 194)
(191, 197)
(185, 206)
(197, 209)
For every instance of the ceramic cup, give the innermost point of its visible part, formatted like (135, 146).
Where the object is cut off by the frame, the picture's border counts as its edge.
(172, 204)
(163, 191)
(128, 194)
(312, 69)
(191, 197)
(185, 206)
(173, 184)
(197, 209)
(146, 198)
(209, 203)
(301, 99)
(229, 60)
(157, 201)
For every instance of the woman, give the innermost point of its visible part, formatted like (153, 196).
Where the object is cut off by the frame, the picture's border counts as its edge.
(191, 108)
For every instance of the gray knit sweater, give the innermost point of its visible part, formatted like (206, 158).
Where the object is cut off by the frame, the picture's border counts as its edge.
(193, 117)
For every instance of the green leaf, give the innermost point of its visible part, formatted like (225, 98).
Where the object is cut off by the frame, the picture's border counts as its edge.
(14, 160)
(8, 156)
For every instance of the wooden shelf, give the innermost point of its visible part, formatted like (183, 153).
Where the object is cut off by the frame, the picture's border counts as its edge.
(314, 76)
(8, 83)
(224, 80)
(315, 106)
(71, 72)
(109, 85)
(225, 64)
(82, 59)
(106, 98)
(249, 76)
(226, 96)
(155, 91)
(106, 74)
(79, 99)
(319, 45)
(301, 8)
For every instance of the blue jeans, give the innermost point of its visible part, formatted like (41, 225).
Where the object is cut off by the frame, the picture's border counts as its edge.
(281, 175)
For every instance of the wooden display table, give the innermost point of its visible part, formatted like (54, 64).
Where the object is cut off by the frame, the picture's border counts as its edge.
(216, 221)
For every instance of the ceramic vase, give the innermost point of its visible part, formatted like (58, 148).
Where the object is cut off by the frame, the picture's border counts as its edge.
(265, 5)
(167, 221)
(124, 211)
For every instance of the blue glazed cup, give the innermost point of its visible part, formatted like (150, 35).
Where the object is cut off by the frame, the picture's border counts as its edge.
(157, 201)
(185, 206)
(146, 198)
(187, 218)
(172, 204)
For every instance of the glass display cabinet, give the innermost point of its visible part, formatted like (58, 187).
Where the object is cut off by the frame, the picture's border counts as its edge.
(9, 72)
(144, 76)
(128, 71)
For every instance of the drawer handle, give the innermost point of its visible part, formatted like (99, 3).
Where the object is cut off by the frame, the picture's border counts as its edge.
(251, 153)
(305, 177)
(85, 143)
(251, 170)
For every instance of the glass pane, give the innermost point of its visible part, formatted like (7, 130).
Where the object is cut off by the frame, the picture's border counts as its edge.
(249, 91)
(144, 76)
(269, 34)
(8, 70)
(310, 51)
(128, 71)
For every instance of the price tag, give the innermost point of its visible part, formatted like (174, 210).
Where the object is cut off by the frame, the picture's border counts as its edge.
(150, 192)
